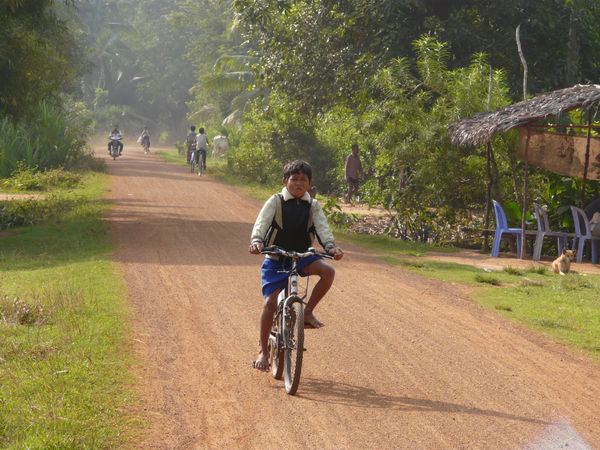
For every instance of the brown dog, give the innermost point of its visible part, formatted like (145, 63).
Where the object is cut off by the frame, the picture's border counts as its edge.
(562, 264)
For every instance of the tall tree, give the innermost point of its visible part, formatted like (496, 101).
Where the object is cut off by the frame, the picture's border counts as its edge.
(39, 56)
(322, 52)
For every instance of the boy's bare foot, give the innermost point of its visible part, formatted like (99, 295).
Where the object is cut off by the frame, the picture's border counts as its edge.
(262, 363)
(310, 321)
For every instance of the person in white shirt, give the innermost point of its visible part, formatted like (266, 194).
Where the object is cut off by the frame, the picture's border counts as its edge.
(202, 146)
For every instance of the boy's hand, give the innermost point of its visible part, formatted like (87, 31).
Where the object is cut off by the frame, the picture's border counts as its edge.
(255, 248)
(336, 252)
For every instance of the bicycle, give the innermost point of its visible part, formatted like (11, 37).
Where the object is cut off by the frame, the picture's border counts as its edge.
(286, 340)
(196, 159)
(193, 160)
(201, 161)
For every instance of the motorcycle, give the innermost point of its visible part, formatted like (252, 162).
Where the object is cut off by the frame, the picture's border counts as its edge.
(113, 147)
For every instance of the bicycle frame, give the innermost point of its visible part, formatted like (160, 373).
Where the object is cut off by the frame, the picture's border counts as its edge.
(287, 332)
(286, 298)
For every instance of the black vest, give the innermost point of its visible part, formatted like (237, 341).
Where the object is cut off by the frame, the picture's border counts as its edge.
(294, 232)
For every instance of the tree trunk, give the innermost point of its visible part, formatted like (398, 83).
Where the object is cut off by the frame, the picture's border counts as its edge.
(572, 52)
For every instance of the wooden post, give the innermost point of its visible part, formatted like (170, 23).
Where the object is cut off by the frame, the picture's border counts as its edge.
(525, 192)
(587, 157)
(526, 178)
(520, 50)
(488, 195)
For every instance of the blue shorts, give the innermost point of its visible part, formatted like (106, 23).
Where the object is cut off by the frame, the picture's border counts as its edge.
(274, 274)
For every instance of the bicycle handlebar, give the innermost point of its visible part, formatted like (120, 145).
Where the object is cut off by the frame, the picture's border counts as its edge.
(274, 250)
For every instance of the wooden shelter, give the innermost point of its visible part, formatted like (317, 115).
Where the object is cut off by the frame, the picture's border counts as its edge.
(525, 115)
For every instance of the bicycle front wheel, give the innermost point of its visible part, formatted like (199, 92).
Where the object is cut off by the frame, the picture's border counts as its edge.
(293, 346)
(276, 349)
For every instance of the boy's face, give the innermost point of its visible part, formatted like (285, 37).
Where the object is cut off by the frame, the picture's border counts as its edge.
(297, 184)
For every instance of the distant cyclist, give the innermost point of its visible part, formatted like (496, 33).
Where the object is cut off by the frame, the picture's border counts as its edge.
(190, 141)
(201, 147)
(145, 139)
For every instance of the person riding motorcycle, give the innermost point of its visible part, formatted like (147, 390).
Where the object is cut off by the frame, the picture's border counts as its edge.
(116, 136)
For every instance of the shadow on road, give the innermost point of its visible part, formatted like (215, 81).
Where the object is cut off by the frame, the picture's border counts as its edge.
(328, 391)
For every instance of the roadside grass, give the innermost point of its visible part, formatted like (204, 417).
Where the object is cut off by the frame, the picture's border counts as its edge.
(567, 308)
(389, 244)
(64, 365)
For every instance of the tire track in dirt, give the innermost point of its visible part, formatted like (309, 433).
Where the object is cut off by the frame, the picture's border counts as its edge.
(403, 362)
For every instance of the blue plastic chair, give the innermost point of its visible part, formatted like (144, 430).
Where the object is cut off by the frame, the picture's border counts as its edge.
(502, 228)
(543, 230)
(579, 218)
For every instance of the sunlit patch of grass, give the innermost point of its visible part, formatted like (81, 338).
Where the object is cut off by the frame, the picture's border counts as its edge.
(16, 311)
(388, 244)
(503, 308)
(567, 308)
(574, 281)
(413, 263)
(513, 271)
(532, 283)
(487, 279)
(64, 365)
(540, 270)
(547, 323)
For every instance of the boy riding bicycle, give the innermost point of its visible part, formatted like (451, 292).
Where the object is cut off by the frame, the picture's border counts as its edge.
(290, 220)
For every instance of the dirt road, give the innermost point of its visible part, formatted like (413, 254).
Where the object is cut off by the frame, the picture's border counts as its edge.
(403, 362)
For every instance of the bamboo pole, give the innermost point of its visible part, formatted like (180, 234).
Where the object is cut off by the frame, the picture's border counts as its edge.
(488, 193)
(525, 193)
(587, 157)
(526, 177)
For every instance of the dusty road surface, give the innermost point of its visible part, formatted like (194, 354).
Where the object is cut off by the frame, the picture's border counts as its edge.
(403, 362)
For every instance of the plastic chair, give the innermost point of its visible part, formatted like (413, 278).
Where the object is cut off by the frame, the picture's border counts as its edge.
(579, 218)
(502, 228)
(543, 230)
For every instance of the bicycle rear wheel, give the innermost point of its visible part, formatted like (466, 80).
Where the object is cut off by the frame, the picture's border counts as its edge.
(293, 346)
(193, 161)
(276, 349)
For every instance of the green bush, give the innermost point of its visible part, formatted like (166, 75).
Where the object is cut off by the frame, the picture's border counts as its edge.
(274, 134)
(54, 137)
(25, 212)
(29, 179)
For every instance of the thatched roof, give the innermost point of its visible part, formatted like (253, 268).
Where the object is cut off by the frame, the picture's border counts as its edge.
(480, 128)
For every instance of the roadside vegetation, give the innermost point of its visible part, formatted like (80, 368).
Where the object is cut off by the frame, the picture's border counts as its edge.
(64, 359)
